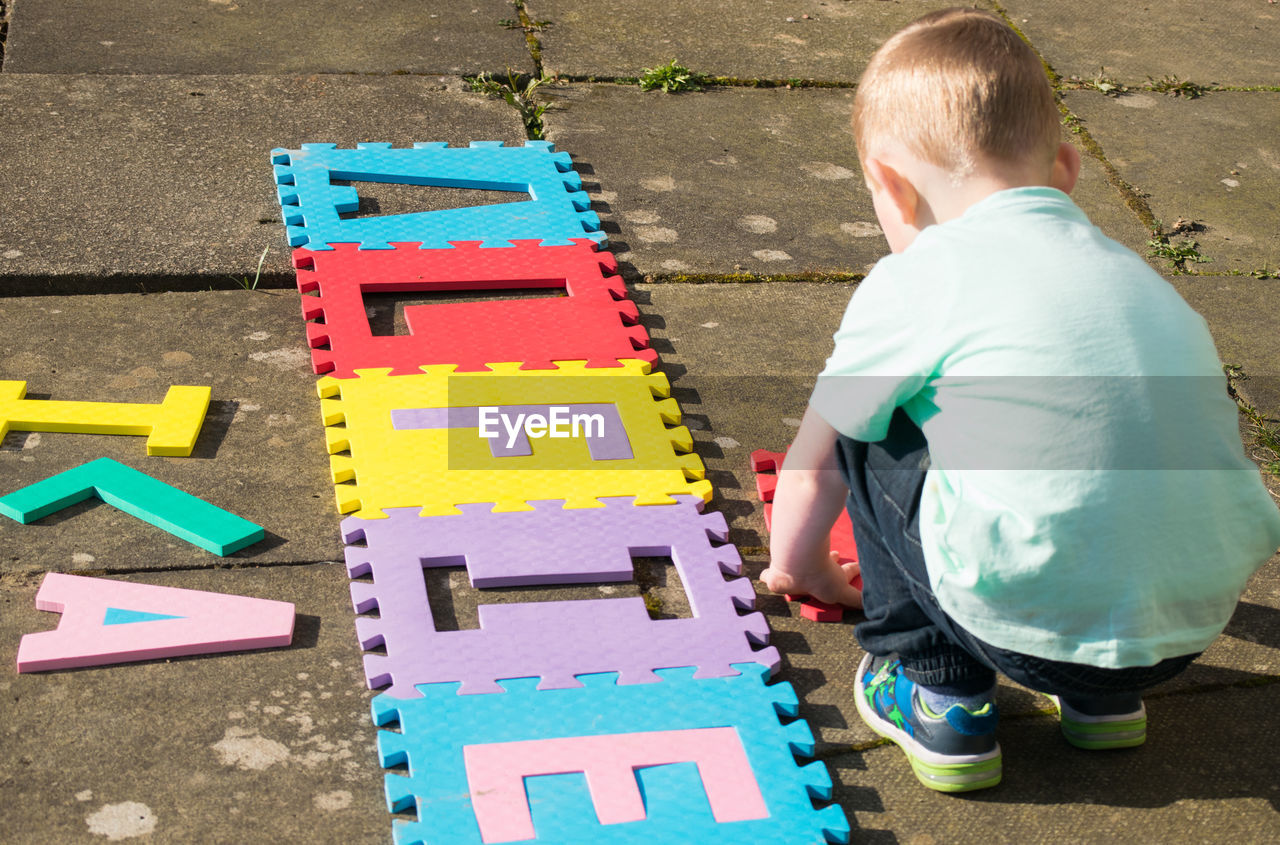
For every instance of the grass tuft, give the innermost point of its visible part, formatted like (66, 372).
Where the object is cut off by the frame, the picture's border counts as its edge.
(671, 78)
(252, 284)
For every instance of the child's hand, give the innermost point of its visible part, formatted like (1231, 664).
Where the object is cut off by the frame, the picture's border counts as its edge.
(828, 582)
(809, 496)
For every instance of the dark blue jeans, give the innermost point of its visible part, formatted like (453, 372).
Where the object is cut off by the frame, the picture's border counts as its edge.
(903, 616)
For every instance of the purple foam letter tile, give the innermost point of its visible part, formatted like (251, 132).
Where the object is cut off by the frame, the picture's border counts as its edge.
(552, 640)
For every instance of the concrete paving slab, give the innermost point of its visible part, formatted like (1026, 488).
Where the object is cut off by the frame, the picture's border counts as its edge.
(260, 454)
(128, 183)
(1244, 317)
(272, 745)
(224, 36)
(1200, 778)
(1231, 42)
(734, 180)
(724, 181)
(1213, 161)
(827, 40)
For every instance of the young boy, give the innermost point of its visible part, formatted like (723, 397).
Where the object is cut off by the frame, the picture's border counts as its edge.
(1032, 429)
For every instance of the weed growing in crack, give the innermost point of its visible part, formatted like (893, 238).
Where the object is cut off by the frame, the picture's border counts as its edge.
(252, 284)
(1265, 432)
(671, 78)
(1101, 83)
(1175, 87)
(532, 26)
(518, 91)
(1268, 435)
(1260, 273)
(1177, 253)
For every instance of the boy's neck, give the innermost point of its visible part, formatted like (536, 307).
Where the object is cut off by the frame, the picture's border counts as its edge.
(946, 197)
(910, 194)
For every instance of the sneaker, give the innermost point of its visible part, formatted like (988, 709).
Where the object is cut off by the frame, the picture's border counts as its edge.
(1102, 723)
(951, 752)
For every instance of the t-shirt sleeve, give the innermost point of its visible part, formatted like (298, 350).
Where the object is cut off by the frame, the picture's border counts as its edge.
(881, 359)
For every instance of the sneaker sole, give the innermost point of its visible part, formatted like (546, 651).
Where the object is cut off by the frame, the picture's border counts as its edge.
(938, 772)
(1102, 733)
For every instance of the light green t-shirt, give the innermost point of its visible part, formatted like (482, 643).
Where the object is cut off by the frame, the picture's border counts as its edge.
(1088, 498)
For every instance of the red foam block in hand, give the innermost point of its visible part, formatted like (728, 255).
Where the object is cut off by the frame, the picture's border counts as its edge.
(766, 464)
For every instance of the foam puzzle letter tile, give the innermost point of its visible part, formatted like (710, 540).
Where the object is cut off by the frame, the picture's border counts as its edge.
(181, 514)
(437, 786)
(496, 773)
(170, 427)
(842, 543)
(560, 639)
(553, 207)
(106, 621)
(592, 322)
(436, 469)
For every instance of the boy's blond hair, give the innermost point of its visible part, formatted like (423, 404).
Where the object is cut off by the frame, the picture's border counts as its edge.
(957, 87)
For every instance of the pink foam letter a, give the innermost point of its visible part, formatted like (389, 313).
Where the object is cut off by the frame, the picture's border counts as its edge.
(496, 773)
(174, 622)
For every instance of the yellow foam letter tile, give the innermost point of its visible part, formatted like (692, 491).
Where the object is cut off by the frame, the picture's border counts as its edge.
(171, 427)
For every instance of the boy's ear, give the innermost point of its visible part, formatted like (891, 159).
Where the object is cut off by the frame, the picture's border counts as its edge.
(894, 187)
(1066, 168)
